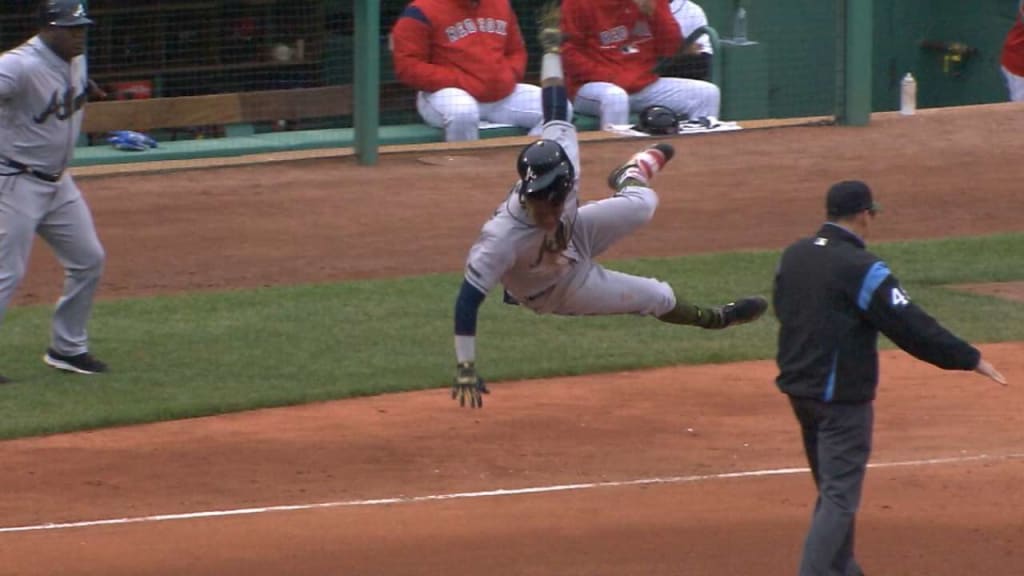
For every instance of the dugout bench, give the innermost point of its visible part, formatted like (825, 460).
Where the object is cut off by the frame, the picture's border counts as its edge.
(228, 122)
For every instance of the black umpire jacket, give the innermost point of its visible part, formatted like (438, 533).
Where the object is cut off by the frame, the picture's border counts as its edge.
(832, 297)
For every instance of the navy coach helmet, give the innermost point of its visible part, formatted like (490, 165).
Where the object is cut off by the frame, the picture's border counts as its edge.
(66, 13)
(658, 120)
(545, 172)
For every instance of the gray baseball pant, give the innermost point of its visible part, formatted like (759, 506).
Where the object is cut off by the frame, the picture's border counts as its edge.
(591, 289)
(837, 442)
(59, 214)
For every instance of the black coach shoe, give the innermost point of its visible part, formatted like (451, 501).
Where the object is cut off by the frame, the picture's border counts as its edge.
(83, 363)
(741, 311)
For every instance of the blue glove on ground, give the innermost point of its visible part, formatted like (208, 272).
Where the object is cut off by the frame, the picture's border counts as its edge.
(131, 141)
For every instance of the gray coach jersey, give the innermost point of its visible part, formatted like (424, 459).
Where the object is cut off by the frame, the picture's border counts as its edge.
(41, 100)
(510, 249)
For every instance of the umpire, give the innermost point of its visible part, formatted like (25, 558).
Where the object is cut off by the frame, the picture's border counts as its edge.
(832, 297)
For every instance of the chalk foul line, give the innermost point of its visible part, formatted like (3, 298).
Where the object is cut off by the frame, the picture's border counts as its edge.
(486, 494)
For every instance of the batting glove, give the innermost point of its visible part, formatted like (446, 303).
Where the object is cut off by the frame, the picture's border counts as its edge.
(549, 24)
(551, 40)
(468, 384)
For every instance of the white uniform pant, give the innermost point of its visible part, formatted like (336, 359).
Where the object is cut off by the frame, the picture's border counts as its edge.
(58, 213)
(591, 289)
(1015, 85)
(460, 114)
(695, 98)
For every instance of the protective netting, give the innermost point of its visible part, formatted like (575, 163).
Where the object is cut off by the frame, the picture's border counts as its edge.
(766, 62)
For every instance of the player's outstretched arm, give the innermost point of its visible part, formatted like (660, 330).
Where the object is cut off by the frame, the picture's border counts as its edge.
(467, 384)
(554, 99)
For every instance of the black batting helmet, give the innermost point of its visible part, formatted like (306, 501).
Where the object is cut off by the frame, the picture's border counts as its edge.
(658, 120)
(65, 13)
(545, 172)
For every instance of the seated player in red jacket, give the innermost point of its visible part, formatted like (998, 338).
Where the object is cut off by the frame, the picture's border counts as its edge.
(611, 50)
(467, 60)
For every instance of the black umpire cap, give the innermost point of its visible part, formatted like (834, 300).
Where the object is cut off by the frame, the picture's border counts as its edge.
(849, 197)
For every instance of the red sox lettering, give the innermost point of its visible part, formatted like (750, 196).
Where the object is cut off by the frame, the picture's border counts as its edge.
(464, 28)
(612, 37)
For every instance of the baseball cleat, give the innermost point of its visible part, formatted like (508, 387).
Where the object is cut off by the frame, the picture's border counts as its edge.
(741, 311)
(642, 166)
(83, 363)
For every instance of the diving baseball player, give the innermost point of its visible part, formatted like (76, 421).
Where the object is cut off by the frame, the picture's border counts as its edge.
(43, 87)
(540, 244)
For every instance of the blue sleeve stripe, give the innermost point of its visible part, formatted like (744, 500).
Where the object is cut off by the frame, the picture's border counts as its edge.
(555, 103)
(830, 385)
(874, 278)
(466, 307)
(415, 13)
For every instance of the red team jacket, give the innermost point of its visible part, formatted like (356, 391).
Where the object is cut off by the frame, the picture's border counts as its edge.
(612, 41)
(474, 45)
(1013, 48)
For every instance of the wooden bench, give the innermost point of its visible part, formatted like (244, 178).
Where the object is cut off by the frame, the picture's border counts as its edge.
(234, 115)
(236, 111)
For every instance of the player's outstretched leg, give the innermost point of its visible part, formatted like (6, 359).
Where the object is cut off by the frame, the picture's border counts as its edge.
(735, 313)
(642, 166)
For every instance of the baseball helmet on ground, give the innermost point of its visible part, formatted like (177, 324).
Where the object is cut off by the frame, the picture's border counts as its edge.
(545, 172)
(658, 120)
(64, 13)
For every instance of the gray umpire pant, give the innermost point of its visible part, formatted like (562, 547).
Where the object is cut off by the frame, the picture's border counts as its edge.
(58, 213)
(837, 442)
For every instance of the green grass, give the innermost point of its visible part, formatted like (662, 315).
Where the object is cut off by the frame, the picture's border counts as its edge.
(193, 355)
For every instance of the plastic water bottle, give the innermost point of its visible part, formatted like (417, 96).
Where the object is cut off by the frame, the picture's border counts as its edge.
(739, 26)
(908, 95)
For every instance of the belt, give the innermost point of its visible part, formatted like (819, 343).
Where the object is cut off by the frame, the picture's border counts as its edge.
(542, 293)
(23, 169)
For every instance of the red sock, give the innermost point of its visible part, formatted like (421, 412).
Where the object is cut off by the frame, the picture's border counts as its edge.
(650, 161)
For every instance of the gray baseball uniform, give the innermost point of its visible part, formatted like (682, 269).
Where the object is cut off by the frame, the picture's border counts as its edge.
(41, 101)
(547, 264)
(511, 250)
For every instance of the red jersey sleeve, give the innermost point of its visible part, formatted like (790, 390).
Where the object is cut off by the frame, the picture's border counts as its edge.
(667, 35)
(1012, 56)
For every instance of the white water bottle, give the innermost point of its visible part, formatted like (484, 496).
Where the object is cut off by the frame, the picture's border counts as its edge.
(739, 26)
(908, 95)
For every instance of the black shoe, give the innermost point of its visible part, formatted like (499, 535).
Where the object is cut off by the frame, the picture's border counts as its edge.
(83, 363)
(5, 379)
(741, 311)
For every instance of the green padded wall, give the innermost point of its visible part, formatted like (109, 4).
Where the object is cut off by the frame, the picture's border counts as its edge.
(901, 26)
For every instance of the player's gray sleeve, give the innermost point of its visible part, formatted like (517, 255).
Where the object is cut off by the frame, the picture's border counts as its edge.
(489, 259)
(10, 75)
(565, 134)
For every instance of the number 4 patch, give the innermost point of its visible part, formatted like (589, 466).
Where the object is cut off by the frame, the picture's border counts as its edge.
(899, 298)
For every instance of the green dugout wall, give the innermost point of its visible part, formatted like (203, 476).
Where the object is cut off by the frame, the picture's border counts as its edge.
(902, 25)
(840, 58)
(791, 71)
